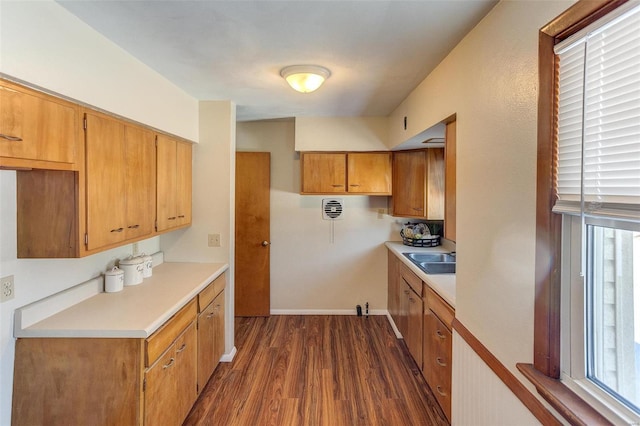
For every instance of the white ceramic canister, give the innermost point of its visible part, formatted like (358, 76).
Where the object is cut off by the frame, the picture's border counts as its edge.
(147, 262)
(133, 270)
(113, 280)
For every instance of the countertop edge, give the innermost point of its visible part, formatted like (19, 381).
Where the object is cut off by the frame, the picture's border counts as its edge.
(40, 329)
(433, 281)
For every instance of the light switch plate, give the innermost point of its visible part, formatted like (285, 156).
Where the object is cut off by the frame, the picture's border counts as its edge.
(214, 240)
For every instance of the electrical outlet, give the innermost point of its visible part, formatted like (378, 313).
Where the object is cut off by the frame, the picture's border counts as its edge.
(7, 291)
(214, 240)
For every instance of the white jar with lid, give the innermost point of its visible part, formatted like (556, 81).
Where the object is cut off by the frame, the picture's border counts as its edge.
(133, 270)
(147, 262)
(113, 280)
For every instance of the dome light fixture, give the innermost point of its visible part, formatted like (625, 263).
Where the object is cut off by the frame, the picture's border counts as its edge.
(305, 78)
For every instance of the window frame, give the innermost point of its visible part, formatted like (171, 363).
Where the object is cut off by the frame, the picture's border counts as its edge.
(545, 371)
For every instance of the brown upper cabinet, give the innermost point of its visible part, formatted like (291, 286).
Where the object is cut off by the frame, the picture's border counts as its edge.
(78, 198)
(121, 179)
(174, 162)
(450, 182)
(37, 130)
(418, 184)
(364, 173)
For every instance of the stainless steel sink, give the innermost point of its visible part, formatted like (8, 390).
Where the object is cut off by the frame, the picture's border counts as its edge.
(430, 257)
(438, 267)
(433, 263)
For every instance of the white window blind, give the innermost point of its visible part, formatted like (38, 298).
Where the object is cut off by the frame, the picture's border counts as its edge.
(599, 119)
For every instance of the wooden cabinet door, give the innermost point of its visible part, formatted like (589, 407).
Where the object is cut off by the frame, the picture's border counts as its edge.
(160, 399)
(435, 184)
(166, 202)
(409, 184)
(37, 127)
(140, 173)
(323, 173)
(369, 173)
(206, 357)
(183, 183)
(413, 339)
(393, 291)
(105, 177)
(450, 182)
(218, 335)
(186, 385)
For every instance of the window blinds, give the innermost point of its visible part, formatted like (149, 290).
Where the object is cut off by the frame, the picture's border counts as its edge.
(599, 119)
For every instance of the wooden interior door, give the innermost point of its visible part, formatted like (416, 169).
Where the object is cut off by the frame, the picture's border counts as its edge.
(252, 281)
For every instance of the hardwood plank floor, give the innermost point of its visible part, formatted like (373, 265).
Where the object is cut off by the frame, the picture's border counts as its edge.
(316, 371)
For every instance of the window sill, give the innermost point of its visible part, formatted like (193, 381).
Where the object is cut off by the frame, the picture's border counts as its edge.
(573, 408)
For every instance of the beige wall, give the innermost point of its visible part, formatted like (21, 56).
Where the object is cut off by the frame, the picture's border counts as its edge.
(308, 272)
(490, 81)
(341, 134)
(213, 200)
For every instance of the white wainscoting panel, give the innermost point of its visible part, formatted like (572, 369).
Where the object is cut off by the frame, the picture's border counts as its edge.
(479, 397)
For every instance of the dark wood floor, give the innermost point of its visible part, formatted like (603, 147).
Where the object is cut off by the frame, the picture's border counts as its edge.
(317, 370)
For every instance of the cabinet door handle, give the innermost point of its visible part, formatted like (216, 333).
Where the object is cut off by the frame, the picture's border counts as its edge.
(171, 218)
(406, 292)
(133, 226)
(440, 335)
(440, 362)
(182, 348)
(211, 315)
(440, 391)
(170, 363)
(181, 216)
(117, 230)
(354, 184)
(11, 138)
(418, 209)
(336, 185)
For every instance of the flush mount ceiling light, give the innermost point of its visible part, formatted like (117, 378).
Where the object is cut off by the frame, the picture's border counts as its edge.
(305, 78)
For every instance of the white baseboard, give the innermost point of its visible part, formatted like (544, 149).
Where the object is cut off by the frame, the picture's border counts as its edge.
(393, 325)
(325, 312)
(229, 357)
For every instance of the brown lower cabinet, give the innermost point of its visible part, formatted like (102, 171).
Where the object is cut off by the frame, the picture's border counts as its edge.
(120, 381)
(424, 319)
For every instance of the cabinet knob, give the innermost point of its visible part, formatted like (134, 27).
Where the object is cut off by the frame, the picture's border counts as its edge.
(265, 243)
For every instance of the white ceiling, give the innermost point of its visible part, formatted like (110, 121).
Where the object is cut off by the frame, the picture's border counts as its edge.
(377, 50)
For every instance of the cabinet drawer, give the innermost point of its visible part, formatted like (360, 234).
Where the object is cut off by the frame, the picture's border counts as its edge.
(412, 279)
(442, 309)
(210, 292)
(159, 341)
(438, 360)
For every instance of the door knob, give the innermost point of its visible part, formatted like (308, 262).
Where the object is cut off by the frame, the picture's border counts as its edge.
(265, 243)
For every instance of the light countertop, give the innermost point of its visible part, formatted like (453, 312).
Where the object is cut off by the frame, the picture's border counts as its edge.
(443, 284)
(136, 311)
